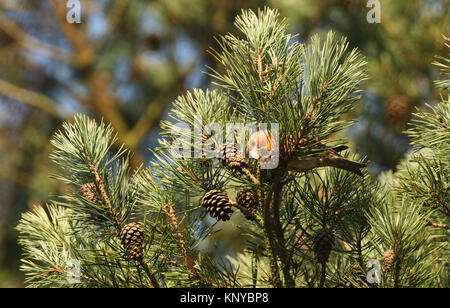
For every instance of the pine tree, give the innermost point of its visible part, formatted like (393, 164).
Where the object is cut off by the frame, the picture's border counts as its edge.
(314, 219)
(422, 182)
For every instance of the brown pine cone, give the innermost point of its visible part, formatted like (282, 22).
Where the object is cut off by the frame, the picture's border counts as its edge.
(247, 200)
(217, 204)
(89, 191)
(396, 110)
(388, 260)
(323, 243)
(132, 237)
(230, 158)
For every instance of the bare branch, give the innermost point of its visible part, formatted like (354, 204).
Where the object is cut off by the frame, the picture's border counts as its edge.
(31, 98)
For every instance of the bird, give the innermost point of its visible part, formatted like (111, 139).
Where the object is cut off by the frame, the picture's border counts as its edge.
(261, 144)
(327, 158)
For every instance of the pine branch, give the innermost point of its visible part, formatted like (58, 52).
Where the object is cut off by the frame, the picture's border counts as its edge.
(251, 176)
(31, 98)
(435, 196)
(249, 213)
(31, 43)
(270, 240)
(438, 225)
(316, 99)
(101, 187)
(267, 77)
(169, 210)
(285, 261)
(150, 275)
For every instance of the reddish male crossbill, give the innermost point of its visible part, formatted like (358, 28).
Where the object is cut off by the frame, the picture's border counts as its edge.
(261, 144)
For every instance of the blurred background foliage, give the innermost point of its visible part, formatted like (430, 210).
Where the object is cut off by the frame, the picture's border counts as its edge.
(128, 59)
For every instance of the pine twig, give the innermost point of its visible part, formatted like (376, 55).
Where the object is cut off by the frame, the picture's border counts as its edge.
(441, 202)
(194, 178)
(276, 85)
(248, 212)
(307, 116)
(101, 187)
(326, 159)
(169, 210)
(438, 225)
(150, 275)
(260, 66)
(322, 274)
(113, 213)
(250, 176)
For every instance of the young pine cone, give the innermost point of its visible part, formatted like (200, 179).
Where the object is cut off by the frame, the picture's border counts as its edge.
(217, 204)
(396, 110)
(388, 260)
(132, 237)
(247, 200)
(89, 191)
(323, 243)
(230, 158)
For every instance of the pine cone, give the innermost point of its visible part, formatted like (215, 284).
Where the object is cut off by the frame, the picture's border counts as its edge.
(323, 243)
(132, 237)
(217, 204)
(247, 200)
(89, 191)
(230, 158)
(396, 110)
(388, 260)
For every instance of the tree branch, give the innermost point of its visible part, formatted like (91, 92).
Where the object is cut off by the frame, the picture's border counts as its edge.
(102, 189)
(270, 241)
(31, 98)
(169, 210)
(30, 43)
(441, 202)
(278, 231)
(150, 275)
